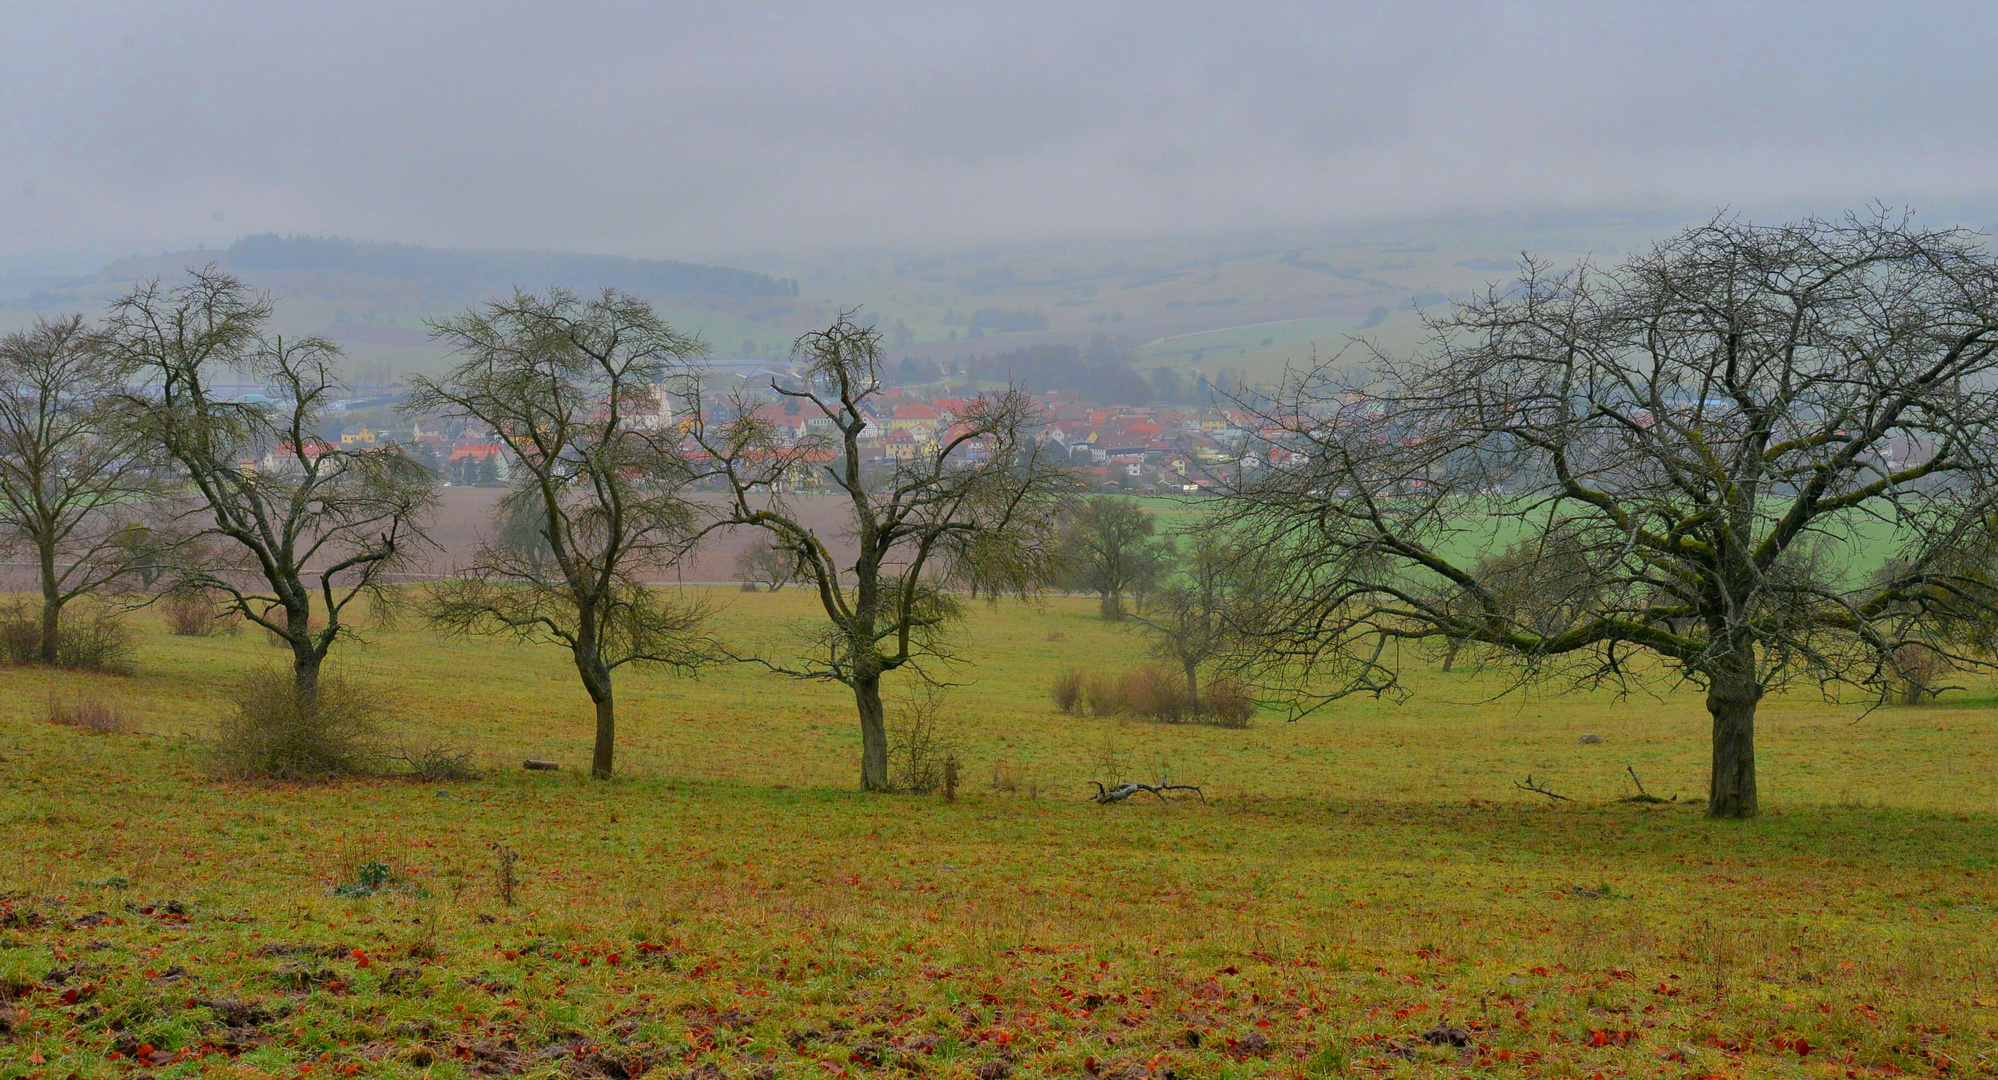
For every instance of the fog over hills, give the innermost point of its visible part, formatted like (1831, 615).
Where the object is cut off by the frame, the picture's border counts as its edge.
(1245, 301)
(1199, 186)
(1242, 302)
(701, 132)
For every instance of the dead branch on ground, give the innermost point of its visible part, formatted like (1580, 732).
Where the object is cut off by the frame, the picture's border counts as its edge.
(1529, 785)
(1642, 795)
(1104, 796)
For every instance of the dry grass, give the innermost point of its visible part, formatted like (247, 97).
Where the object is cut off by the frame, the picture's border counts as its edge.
(1067, 690)
(95, 715)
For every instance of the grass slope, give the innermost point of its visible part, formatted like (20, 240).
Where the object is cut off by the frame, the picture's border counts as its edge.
(729, 907)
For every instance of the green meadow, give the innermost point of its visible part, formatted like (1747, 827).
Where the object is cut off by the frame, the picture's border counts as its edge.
(1365, 892)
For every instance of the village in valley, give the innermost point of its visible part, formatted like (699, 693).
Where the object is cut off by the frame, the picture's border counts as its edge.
(1156, 449)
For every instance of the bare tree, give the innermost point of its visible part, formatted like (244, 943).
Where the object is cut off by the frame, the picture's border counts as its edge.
(73, 473)
(1204, 611)
(580, 394)
(276, 513)
(1109, 548)
(979, 505)
(764, 563)
(1685, 447)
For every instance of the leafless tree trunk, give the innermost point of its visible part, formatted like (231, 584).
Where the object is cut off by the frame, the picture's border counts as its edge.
(1732, 695)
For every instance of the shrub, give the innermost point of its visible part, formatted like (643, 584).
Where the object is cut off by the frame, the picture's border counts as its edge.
(1155, 693)
(20, 635)
(1067, 692)
(919, 747)
(1229, 703)
(506, 880)
(437, 764)
(88, 639)
(93, 715)
(1009, 778)
(1159, 693)
(198, 613)
(270, 734)
(1918, 669)
(1104, 694)
(98, 641)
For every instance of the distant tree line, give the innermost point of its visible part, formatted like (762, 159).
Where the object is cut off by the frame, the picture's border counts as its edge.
(476, 268)
(1005, 320)
(1101, 372)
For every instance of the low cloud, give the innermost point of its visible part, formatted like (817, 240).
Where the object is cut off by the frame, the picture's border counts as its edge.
(697, 131)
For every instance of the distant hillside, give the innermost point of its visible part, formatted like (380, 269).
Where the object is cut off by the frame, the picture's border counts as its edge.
(529, 269)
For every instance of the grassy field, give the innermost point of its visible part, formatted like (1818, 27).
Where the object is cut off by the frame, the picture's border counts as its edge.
(1362, 893)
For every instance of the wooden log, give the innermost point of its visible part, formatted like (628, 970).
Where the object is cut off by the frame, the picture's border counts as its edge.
(539, 766)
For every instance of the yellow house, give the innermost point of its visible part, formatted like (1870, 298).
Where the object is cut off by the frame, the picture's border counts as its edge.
(363, 437)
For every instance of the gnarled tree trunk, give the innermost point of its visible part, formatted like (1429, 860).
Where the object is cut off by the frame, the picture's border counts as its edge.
(1111, 606)
(1731, 700)
(306, 656)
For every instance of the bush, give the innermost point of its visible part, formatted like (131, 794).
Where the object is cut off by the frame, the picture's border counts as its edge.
(1156, 692)
(921, 753)
(270, 734)
(20, 635)
(1918, 669)
(1104, 694)
(88, 639)
(1067, 692)
(93, 715)
(437, 764)
(99, 641)
(198, 613)
(1229, 703)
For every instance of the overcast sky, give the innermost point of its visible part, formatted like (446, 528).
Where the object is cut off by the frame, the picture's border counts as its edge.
(701, 130)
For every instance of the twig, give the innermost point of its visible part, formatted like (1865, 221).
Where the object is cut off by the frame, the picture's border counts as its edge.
(1105, 796)
(1529, 785)
(1642, 795)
